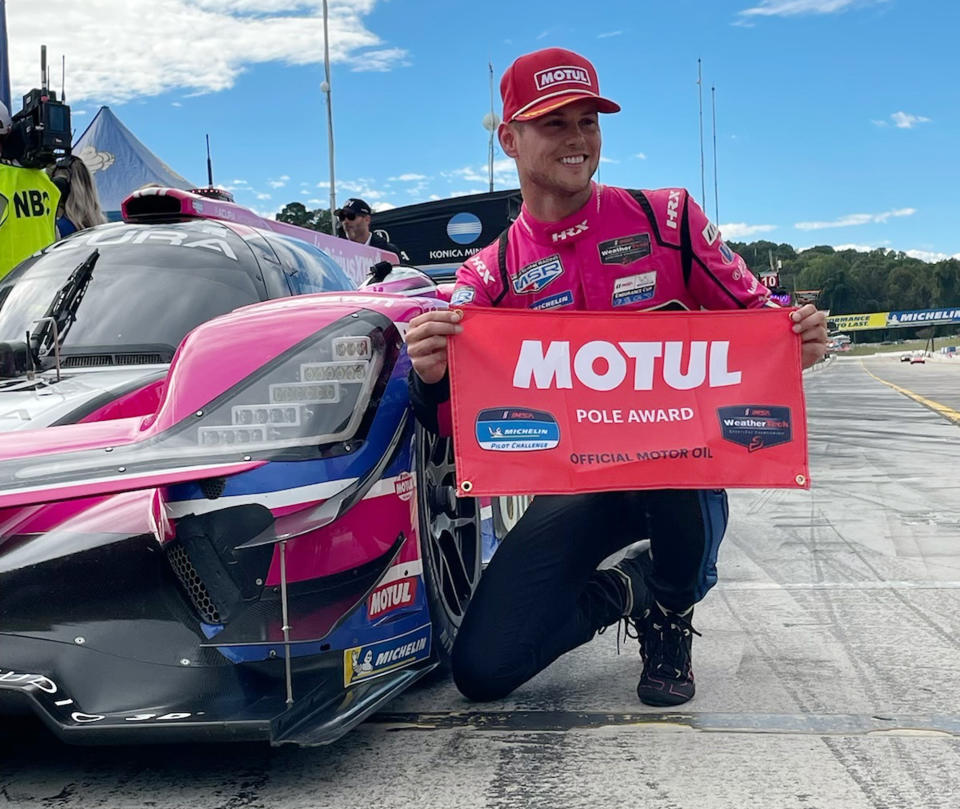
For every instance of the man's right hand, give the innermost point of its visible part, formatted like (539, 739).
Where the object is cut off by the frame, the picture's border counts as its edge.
(427, 342)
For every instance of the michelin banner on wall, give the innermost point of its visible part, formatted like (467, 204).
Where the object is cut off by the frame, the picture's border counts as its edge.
(570, 402)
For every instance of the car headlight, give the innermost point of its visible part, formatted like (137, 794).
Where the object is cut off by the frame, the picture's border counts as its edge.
(316, 393)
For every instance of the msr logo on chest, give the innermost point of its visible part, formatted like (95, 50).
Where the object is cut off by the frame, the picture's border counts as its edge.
(536, 276)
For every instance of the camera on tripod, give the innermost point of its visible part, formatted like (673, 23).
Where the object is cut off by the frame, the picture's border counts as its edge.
(40, 133)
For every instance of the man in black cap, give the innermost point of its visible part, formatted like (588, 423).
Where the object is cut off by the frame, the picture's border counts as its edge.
(354, 218)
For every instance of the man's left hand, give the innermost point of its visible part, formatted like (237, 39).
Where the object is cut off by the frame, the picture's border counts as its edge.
(811, 324)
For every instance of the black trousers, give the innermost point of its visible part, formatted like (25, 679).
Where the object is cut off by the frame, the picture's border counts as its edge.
(535, 600)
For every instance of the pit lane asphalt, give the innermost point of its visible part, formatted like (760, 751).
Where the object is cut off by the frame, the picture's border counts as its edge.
(828, 671)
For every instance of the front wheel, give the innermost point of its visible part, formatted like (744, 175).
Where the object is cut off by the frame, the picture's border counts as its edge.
(450, 539)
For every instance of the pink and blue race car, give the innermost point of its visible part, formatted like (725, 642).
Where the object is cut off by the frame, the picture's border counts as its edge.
(218, 516)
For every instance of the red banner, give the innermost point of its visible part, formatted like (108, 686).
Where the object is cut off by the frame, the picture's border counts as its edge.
(556, 403)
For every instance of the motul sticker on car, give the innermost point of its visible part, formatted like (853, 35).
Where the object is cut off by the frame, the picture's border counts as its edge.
(392, 596)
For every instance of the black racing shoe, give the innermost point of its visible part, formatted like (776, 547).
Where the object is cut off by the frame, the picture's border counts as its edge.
(632, 571)
(666, 644)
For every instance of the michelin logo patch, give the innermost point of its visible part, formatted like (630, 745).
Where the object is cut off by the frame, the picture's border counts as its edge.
(374, 659)
(536, 276)
(624, 249)
(634, 288)
(560, 299)
(516, 429)
(463, 295)
(727, 253)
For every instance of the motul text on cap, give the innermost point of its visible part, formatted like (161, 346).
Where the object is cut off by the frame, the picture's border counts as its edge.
(542, 81)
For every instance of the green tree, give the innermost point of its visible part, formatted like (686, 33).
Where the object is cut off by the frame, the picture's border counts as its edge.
(296, 213)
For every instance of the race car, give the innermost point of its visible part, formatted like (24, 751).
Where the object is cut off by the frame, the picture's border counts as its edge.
(218, 517)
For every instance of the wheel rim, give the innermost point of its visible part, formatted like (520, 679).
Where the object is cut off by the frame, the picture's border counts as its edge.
(451, 529)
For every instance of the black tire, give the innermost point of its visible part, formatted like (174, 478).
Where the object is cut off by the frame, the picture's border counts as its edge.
(450, 539)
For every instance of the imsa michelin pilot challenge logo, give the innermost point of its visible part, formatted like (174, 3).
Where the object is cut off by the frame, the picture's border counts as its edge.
(516, 429)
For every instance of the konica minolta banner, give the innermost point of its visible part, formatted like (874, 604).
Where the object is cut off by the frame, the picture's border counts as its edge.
(568, 402)
(448, 231)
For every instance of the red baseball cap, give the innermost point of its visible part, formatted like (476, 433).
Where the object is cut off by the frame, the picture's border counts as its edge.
(542, 81)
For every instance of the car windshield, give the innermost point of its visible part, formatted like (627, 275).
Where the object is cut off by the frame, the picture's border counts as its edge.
(151, 285)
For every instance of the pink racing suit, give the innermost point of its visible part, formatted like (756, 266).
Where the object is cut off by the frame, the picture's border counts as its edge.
(624, 250)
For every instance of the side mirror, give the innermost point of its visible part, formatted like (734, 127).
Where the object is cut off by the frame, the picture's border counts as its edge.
(13, 359)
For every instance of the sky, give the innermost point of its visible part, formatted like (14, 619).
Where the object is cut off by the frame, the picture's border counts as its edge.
(836, 120)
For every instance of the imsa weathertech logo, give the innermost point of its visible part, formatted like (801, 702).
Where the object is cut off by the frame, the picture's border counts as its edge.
(755, 426)
(561, 75)
(624, 249)
(516, 429)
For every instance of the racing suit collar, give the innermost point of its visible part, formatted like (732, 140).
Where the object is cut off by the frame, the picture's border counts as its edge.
(567, 230)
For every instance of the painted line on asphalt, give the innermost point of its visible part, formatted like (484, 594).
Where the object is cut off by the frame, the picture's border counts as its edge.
(941, 409)
(800, 724)
(840, 585)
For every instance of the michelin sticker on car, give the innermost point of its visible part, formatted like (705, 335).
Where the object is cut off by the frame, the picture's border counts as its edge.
(375, 659)
(516, 429)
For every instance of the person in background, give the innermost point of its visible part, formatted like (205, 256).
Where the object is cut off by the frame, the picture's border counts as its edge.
(79, 201)
(28, 205)
(606, 249)
(354, 219)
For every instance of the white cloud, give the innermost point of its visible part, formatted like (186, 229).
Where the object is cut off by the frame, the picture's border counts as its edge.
(407, 178)
(860, 248)
(640, 156)
(384, 206)
(738, 230)
(380, 61)
(904, 120)
(609, 34)
(930, 257)
(263, 196)
(504, 174)
(194, 45)
(856, 219)
(790, 8)
(608, 160)
(878, 123)
(74, 112)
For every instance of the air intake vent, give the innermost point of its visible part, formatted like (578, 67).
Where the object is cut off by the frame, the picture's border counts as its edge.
(138, 207)
(100, 360)
(192, 583)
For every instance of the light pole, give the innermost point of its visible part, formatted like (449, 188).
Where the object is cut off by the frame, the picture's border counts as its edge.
(490, 122)
(325, 89)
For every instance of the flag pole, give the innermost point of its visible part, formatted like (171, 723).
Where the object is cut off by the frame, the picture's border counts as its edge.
(716, 198)
(703, 190)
